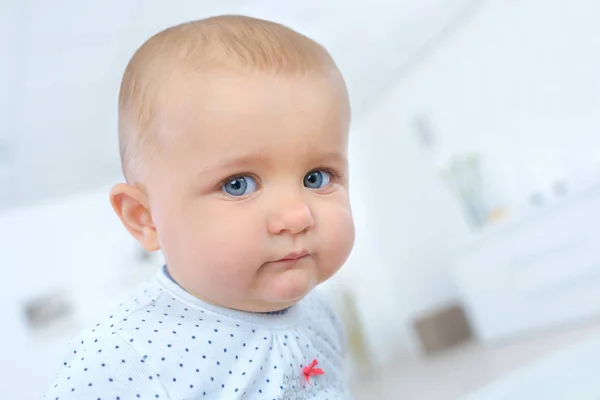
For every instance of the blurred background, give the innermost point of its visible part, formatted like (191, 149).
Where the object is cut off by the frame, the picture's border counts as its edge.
(475, 156)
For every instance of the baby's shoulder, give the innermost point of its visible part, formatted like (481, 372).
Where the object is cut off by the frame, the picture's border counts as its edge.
(320, 318)
(317, 307)
(150, 342)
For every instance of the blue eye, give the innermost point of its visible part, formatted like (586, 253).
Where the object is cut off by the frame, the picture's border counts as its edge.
(317, 179)
(240, 186)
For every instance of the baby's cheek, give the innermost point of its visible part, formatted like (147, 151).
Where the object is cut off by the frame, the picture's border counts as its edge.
(232, 254)
(222, 272)
(337, 238)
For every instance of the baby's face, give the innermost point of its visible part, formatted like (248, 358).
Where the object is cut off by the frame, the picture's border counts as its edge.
(250, 195)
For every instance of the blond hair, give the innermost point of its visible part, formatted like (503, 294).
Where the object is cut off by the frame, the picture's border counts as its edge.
(228, 42)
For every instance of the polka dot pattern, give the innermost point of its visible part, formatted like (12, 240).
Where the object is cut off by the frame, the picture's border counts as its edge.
(165, 344)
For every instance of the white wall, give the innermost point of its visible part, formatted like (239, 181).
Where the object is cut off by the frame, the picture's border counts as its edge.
(519, 82)
(9, 101)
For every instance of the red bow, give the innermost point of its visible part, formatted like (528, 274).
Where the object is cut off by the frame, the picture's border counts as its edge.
(310, 370)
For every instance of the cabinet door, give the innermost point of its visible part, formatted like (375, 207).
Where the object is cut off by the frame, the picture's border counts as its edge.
(536, 273)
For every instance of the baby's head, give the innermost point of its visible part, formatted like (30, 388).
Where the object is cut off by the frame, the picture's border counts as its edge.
(234, 144)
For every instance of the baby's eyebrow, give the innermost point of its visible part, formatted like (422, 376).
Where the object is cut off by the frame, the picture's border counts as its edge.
(332, 157)
(247, 161)
(234, 163)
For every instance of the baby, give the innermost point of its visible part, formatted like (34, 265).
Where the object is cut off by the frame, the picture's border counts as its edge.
(234, 143)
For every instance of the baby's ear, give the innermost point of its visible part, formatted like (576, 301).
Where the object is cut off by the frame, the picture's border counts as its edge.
(131, 205)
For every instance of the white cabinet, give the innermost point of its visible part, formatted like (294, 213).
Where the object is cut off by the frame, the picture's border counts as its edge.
(535, 272)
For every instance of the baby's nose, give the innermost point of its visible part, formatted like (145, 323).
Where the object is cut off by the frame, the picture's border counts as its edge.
(291, 218)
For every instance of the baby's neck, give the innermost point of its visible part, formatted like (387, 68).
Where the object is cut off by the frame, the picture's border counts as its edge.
(277, 312)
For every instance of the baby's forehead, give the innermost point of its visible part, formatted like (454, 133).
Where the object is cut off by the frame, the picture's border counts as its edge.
(243, 92)
(239, 110)
(162, 73)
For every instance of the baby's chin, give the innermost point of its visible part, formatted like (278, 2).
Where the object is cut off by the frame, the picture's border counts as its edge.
(286, 289)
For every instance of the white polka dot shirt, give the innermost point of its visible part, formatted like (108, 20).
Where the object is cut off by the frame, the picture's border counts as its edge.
(166, 344)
